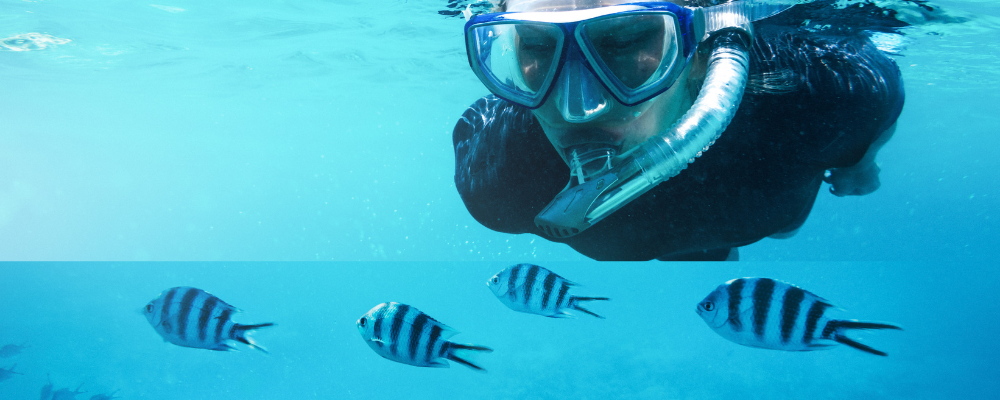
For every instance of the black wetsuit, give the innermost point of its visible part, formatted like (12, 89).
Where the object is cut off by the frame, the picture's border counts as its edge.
(816, 100)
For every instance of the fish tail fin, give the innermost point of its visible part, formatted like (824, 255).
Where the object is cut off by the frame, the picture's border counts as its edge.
(574, 303)
(836, 329)
(459, 353)
(240, 334)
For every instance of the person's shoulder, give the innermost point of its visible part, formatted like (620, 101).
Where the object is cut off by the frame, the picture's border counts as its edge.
(824, 50)
(840, 17)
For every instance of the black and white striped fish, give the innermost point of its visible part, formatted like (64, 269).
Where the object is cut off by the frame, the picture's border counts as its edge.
(765, 313)
(403, 334)
(535, 290)
(192, 317)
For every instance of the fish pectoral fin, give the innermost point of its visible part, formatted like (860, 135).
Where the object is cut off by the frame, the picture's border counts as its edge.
(746, 315)
(439, 364)
(737, 321)
(379, 341)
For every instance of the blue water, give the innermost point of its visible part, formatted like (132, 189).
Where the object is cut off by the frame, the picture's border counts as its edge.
(302, 130)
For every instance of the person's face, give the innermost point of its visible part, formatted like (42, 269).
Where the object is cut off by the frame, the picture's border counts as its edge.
(632, 50)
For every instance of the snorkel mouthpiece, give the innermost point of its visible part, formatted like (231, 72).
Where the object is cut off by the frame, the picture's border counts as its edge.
(587, 162)
(590, 166)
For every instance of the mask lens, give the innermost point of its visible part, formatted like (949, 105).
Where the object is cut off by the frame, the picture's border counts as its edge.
(635, 50)
(537, 47)
(516, 60)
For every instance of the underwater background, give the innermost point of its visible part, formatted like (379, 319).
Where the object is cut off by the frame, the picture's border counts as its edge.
(244, 136)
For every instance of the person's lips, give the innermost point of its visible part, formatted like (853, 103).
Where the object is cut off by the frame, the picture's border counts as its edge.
(578, 136)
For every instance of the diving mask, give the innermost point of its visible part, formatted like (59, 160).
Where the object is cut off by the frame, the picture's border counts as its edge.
(634, 51)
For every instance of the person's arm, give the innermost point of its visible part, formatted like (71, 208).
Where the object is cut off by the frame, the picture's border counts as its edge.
(861, 178)
(855, 89)
(505, 168)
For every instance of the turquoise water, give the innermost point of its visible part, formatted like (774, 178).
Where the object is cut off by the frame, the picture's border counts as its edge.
(307, 130)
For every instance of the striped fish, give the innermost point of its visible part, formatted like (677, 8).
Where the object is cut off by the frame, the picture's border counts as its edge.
(192, 317)
(46, 393)
(8, 373)
(535, 290)
(66, 394)
(11, 350)
(765, 313)
(104, 396)
(403, 334)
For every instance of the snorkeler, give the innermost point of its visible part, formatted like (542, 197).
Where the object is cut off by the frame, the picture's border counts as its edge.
(686, 132)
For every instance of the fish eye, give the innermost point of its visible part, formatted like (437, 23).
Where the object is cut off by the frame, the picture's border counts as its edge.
(149, 308)
(496, 280)
(708, 306)
(361, 322)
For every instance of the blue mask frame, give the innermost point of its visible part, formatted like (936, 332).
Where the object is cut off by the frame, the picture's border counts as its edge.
(572, 46)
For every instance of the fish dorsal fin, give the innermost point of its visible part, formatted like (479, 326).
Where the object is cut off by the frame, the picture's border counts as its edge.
(447, 332)
(819, 299)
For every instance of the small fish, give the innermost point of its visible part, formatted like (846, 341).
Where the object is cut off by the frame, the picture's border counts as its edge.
(8, 373)
(191, 317)
(66, 394)
(765, 313)
(47, 389)
(11, 350)
(403, 334)
(535, 290)
(103, 396)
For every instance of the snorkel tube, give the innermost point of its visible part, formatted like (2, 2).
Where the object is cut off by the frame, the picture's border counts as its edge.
(590, 197)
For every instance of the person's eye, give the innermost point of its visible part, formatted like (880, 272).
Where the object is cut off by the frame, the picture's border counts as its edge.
(617, 42)
(538, 47)
(629, 39)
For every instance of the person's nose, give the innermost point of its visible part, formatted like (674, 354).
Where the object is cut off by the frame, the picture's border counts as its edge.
(578, 94)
